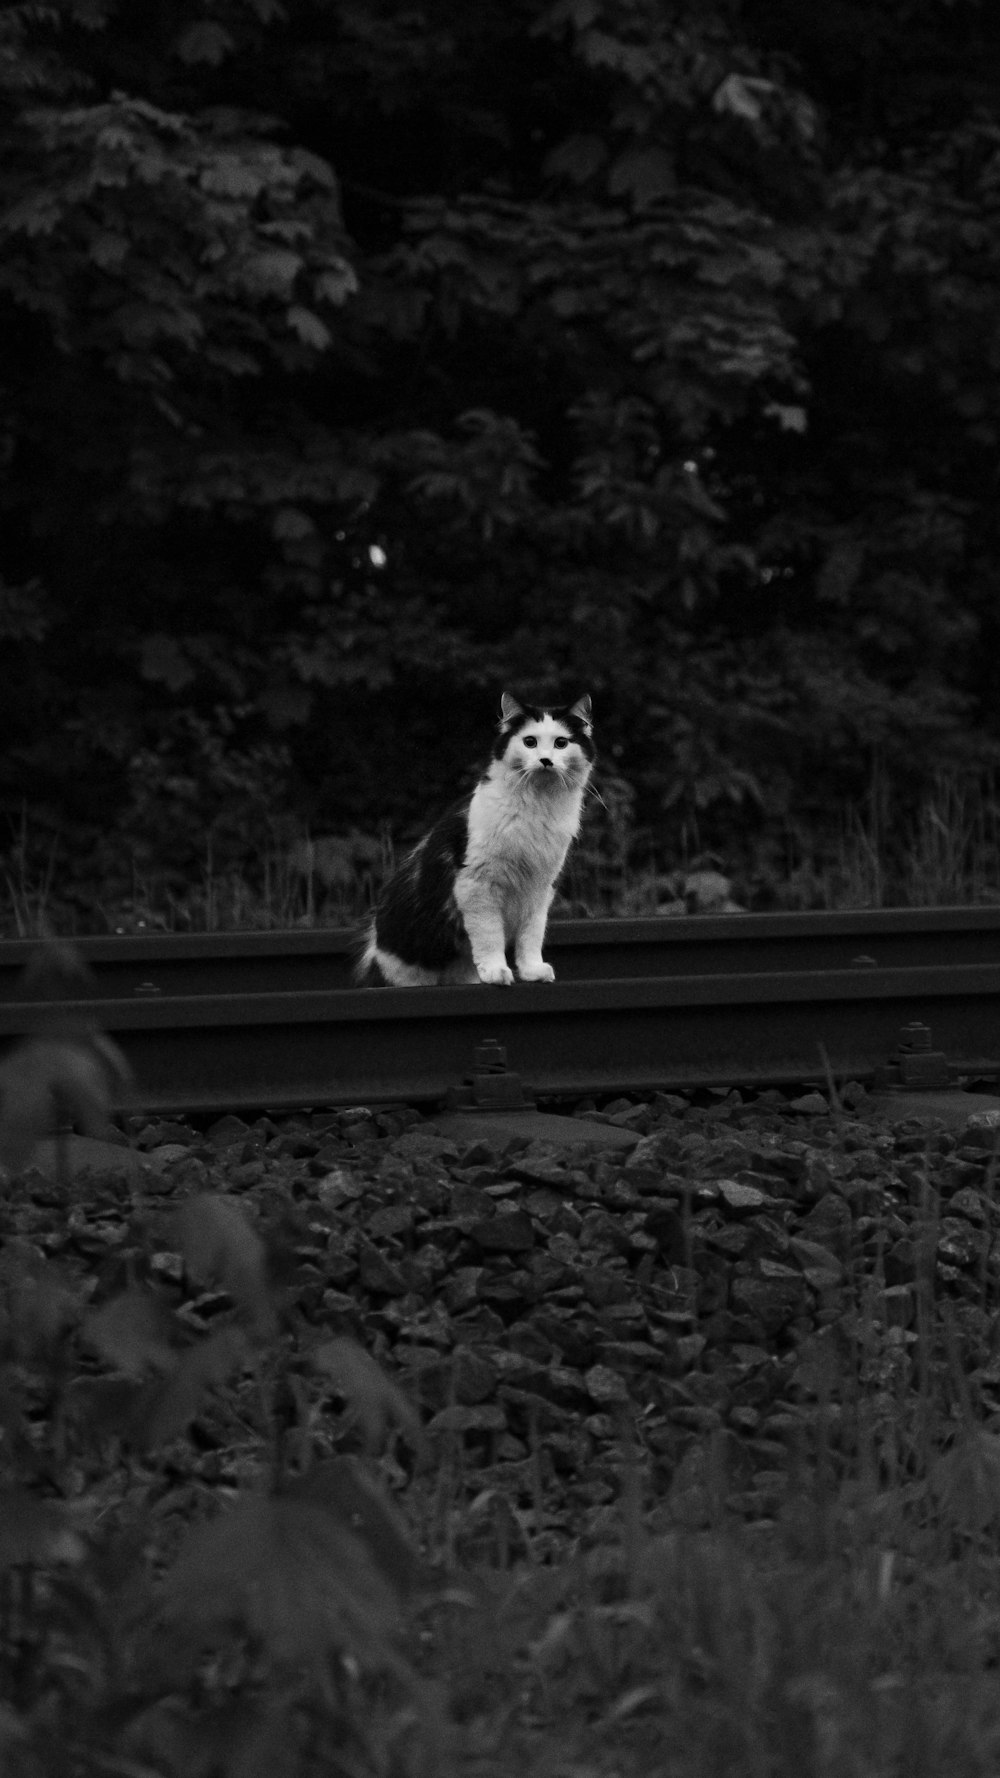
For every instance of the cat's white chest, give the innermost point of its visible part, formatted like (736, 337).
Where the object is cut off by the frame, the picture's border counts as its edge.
(520, 841)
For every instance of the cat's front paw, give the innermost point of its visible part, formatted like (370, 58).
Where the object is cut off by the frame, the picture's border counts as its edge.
(495, 975)
(536, 972)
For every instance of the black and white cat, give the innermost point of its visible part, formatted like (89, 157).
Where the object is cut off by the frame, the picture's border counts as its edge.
(481, 880)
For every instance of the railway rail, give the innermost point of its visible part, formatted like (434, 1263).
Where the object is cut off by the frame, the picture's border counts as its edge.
(221, 1022)
(582, 950)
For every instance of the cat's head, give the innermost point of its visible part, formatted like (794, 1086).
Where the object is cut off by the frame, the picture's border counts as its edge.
(546, 747)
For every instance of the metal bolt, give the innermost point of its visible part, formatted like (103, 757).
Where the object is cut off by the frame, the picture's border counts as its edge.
(491, 1057)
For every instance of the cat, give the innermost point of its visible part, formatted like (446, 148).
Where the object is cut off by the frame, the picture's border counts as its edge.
(482, 879)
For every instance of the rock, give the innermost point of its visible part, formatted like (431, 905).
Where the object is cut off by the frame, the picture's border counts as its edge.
(391, 1220)
(475, 1376)
(602, 1287)
(540, 1164)
(809, 1105)
(605, 1385)
(424, 1145)
(526, 1296)
(509, 1232)
(459, 1418)
(821, 1267)
(829, 1223)
(465, 1377)
(461, 1288)
(78, 1155)
(162, 1154)
(668, 1231)
(338, 1187)
(543, 1204)
(378, 1274)
(470, 1203)
(741, 1198)
(228, 1130)
(771, 1302)
(968, 1203)
(532, 1414)
(983, 1129)
(959, 1243)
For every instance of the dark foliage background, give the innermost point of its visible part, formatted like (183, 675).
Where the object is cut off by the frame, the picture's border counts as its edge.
(359, 359)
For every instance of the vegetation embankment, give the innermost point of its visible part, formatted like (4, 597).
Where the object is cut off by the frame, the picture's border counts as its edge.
(948, 855)
(333, 1443)
(355, 366)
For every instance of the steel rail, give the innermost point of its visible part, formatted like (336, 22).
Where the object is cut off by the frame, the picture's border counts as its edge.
(204, 1053)
(581, 950)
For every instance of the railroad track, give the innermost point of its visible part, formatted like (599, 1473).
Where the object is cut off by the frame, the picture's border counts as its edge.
(582, 950)
(227, 1021)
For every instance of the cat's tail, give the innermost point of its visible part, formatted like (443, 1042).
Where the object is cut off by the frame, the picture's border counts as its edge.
(364, 968)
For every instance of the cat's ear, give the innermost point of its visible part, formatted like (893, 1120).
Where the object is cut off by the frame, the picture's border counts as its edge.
(582, 710)
(509, 707)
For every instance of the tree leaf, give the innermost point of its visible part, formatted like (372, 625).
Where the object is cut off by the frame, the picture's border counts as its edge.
(207, 41)
(578, 158)
(644, 173)
(292, 525)
(37, 1532)
(233, 176)
(40, 1303)
(379, 1403)
(966, 1481)
(220, 1246)
(309, 328)
(288, 1572)
(338, 282)
(271, 271)
(345, 1488)
(163, 660)
(132, 1332)
(166, 1410)
(46, 1083)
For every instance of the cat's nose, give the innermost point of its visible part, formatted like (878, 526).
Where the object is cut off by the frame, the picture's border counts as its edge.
(546, 763)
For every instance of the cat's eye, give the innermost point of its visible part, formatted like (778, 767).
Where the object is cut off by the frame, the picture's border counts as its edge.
(530, 740)
(562, 740)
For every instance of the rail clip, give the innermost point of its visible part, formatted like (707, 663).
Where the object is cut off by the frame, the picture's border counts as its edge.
(914, 1067)
(490, 1086)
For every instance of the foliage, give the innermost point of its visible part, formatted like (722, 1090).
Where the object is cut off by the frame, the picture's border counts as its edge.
(355, 363)
(248, 1639)
(202, 1572)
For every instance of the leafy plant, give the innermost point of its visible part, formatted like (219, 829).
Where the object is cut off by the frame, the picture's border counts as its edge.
(357, 366)
(269, 1629)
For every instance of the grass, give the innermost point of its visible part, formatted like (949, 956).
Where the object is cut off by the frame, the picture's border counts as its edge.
(834, 1616)
(822, 1604)
(948, 853)
(855, 1635)
(847, 1627)
(724, 1655)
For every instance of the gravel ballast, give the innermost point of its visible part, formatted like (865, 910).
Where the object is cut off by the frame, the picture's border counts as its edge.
(711, 1288)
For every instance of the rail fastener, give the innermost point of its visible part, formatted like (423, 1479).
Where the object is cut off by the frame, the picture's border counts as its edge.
(491, 1086)
(915, 1067)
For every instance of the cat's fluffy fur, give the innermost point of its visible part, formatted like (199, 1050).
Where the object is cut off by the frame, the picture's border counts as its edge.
(481, 881)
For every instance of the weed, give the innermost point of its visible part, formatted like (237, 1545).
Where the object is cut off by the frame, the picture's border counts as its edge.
(203, 1572)
(144, 1628)
(946, 852)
